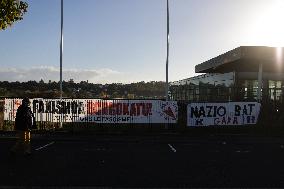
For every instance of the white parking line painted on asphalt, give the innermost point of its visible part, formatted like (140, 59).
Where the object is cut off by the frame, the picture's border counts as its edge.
(95, 149)
(239, 151)
(45, 146)
(172, 148)
(190, 144)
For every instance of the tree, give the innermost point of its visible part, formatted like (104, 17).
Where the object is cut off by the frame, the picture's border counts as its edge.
(11, 11)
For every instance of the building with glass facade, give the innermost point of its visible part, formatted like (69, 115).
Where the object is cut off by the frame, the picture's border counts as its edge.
(247, 73)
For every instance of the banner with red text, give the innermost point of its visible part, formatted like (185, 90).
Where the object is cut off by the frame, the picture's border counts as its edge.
(97, 110)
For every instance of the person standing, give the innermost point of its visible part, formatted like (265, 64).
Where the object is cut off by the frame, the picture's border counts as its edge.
(23, 125)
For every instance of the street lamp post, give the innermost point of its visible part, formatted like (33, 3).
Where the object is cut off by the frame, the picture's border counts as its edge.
(61, 58)
(61, 50)
(167, 60)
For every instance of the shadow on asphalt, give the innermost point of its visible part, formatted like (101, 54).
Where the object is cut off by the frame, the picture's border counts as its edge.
(145, 161)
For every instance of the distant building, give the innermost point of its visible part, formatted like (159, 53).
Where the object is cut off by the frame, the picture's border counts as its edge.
(235, 76)
(130, 96)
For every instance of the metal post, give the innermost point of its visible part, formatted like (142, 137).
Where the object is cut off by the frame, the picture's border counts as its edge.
(61, 57)
(167, 61)
(259, 82)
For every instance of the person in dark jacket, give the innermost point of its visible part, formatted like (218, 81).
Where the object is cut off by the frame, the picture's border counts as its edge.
(23, 125)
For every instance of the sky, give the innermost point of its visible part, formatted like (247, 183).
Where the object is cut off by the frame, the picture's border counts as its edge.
(124, 41)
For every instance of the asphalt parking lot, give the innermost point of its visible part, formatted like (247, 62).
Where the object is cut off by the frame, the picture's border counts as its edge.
(160, 160)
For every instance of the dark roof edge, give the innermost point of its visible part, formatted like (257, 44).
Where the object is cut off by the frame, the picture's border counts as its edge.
(224, 58)
(247, 52)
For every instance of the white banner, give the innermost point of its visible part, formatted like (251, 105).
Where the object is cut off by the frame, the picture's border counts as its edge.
(231, 113)
(97, 110)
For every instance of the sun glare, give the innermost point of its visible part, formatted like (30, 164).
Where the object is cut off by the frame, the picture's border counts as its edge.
(268, 28)
(279, 57)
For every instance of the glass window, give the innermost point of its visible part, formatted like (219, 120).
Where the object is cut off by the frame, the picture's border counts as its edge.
(202, 87)
(275, 91)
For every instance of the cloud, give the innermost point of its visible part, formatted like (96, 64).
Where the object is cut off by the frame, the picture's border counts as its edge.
(52, 73)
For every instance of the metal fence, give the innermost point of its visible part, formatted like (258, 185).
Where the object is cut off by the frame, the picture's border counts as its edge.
(225, 94)
(95, 113)
(1, 114)
(271, 115)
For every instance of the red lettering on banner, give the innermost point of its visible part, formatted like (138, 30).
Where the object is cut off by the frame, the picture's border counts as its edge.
(133, 110)
(99, 105)
(89, 107)
(92, 108)
(118, 108)
(138, 106)
(105, 108)
(125, 109)
(110, 108)
(144, 109)
(148, 110)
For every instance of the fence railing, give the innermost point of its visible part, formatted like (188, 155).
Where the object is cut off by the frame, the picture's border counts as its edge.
(224, 94)
(1, 114)
(55, 113)
(271, 114)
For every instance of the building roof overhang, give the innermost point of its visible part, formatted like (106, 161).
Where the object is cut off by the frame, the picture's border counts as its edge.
(245, 59)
